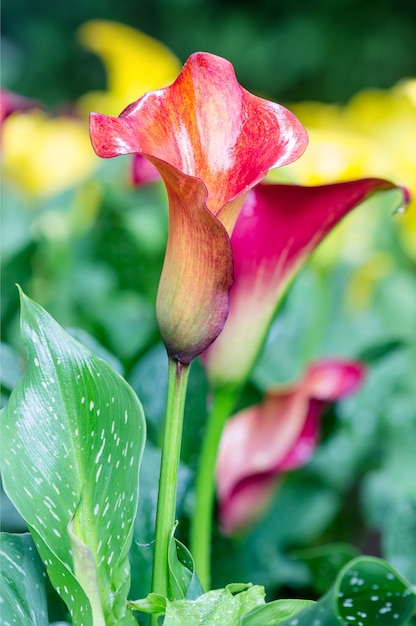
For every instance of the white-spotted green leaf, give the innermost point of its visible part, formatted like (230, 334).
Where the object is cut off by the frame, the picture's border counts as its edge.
(367, 592)
(22, 591)
(72, 439)
(221, 606)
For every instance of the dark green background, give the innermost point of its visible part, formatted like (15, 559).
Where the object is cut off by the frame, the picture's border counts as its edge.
(287, 49)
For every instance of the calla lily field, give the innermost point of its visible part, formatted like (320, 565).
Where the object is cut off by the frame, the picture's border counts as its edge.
(208, 364)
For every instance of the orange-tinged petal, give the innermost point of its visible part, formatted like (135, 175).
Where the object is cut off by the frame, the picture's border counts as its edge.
(192, 301)
(207, 126)
(211, 141)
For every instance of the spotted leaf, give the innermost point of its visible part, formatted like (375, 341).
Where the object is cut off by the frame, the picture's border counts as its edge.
(366, 592)
(72, 439)
(220, 606)
(22, 596)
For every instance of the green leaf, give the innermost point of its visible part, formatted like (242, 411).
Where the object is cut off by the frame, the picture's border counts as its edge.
(132, 325)
(23, 597)
(221, 606)
(149, 379)
(16, 221)
(153, 603)
(274, 612)
(72, 439)
(183, 581)
(399, 537)
(374, 593)
(367, 592)
(324, 562)
(96, 348)
(10, 367)
(372, 354)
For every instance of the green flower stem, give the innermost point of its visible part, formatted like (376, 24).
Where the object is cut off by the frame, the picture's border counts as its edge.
(166, 505)
(201, 525)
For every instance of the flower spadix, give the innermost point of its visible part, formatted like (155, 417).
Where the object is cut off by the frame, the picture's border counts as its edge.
(212, 141)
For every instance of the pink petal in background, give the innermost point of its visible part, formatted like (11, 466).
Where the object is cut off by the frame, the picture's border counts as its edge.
(278, 435)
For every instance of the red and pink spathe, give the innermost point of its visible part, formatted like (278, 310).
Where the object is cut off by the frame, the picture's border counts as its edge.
(277, 230)
(211, 141)
(275, 436)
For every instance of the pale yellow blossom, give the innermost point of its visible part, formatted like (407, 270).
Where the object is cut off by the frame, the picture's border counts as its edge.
(134, 63)
(44, 155)
(374, 134)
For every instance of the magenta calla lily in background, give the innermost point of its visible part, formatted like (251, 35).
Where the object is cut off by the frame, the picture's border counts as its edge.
(277, 230)
(143, 171)
(211, 141)
(278, 435)
(11, 102)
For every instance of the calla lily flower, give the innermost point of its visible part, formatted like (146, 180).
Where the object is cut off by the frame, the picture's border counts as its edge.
(278, 435)
(278, 229)
(143, 171)
(11, 102)
(211, 141)
(373, 134)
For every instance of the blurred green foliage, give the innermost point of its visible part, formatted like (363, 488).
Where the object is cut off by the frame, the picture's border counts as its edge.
(321, 50)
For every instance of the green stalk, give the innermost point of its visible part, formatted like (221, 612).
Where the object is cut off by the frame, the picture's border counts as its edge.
(201, 525)
(178, 374)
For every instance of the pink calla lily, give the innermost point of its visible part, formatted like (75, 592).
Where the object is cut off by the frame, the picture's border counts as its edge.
(211, 141)
(277, 230)
(143, 171)
(11, 102)
(278, 435)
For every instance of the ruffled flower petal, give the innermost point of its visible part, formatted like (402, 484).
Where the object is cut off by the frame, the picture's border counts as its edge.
(211, 141)
(207, 126)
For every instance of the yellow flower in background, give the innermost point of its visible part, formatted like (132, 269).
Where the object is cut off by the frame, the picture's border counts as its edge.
(409, 88)
(134, 62)
(374, 134)
(334, 155)
(46, 155)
